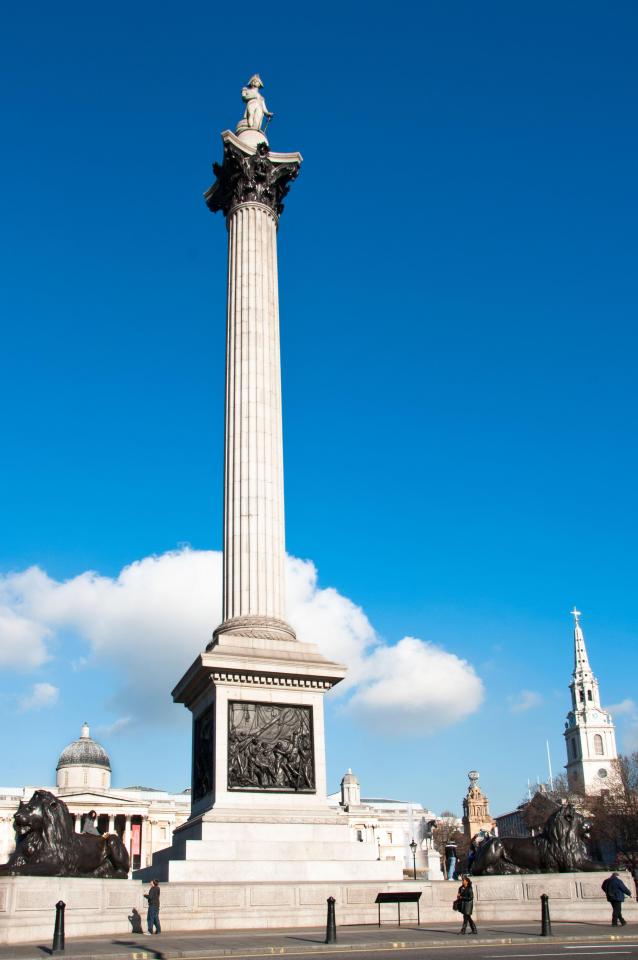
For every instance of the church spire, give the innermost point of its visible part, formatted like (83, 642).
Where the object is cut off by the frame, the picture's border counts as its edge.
(581, 660)
(589, 731)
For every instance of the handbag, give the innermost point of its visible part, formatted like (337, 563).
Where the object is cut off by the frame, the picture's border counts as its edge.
(457, 904)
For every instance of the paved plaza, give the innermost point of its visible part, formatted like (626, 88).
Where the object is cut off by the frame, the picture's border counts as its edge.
(595, 938)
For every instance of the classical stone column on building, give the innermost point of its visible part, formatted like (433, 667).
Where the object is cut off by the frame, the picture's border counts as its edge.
(152, 824)
(127, 839)
(111, 823)
(143, 857)
(7, 837)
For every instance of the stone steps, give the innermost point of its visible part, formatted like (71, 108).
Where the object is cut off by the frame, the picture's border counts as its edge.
(273, 851)
(280, 871)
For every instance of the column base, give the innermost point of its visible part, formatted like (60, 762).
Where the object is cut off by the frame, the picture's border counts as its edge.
(260, 628)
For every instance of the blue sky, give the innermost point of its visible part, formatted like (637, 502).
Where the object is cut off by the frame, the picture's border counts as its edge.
(458, 308)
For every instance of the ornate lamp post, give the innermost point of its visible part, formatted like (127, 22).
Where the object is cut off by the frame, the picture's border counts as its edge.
(413, 846)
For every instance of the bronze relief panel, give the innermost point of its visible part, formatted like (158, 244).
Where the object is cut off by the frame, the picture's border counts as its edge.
(270, 748)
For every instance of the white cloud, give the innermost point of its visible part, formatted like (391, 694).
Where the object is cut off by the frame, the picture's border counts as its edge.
(630, 737)
(150, 621)
(109, 729)
(22, 640)
(524, 700)
(415, 687)
(323, 616)
(626, 708)
(627, 711)
(42, 695)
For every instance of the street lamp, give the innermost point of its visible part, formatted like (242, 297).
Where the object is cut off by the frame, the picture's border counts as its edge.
(413, 849)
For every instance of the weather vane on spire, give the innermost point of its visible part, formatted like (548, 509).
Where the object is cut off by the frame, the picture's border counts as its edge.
(576, 614)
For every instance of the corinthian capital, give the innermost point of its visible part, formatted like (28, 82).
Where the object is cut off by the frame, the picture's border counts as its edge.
(244, 177)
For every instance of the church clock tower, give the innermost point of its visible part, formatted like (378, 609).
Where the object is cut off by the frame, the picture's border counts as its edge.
(589, 730)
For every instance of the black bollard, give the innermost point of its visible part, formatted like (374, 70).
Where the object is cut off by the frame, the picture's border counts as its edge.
(546, 923)
(58, 931)
(331, 926)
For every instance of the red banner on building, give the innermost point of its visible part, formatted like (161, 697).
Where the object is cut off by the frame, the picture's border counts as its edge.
(136, 830)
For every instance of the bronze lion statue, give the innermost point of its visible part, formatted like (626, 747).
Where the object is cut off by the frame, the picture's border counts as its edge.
(560, 848)
(47, 845)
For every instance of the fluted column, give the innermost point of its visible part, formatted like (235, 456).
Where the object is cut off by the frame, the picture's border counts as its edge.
(253, 506)
(249, 190)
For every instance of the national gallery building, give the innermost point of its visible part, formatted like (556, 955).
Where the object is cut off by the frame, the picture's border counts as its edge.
(143, 816)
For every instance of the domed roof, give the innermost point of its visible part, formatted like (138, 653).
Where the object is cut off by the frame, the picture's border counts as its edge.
(349, 777)
(84, 752)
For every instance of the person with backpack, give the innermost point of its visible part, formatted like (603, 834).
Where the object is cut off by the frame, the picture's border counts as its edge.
(616, 891)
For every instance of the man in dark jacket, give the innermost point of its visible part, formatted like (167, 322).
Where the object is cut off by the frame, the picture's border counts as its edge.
(153, 897)
(616, 891)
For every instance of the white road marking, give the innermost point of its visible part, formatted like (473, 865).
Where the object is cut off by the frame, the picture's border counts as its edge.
(592, 952)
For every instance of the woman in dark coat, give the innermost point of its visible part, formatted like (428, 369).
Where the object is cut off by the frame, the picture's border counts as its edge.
(466, 904)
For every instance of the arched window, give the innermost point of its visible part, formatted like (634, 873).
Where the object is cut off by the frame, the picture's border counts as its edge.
(581, 696)
(360, 836)
(589, 696)
(598, 745)
(572, 744)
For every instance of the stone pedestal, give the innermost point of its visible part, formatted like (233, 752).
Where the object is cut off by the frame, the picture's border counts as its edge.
(433, 864)
(256, 832)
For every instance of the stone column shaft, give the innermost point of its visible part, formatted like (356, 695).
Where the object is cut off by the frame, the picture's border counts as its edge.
(249, 190)
(254, 543)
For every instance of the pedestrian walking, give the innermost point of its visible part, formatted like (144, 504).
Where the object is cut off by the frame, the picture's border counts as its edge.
(152, 917)
(616, 891)
(465, 898)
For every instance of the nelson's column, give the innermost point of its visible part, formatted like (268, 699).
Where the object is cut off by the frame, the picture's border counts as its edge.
(259, 807)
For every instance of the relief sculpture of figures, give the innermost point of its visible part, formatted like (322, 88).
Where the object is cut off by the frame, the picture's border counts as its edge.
(256, 108)
(270, 748)
(203, 740)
